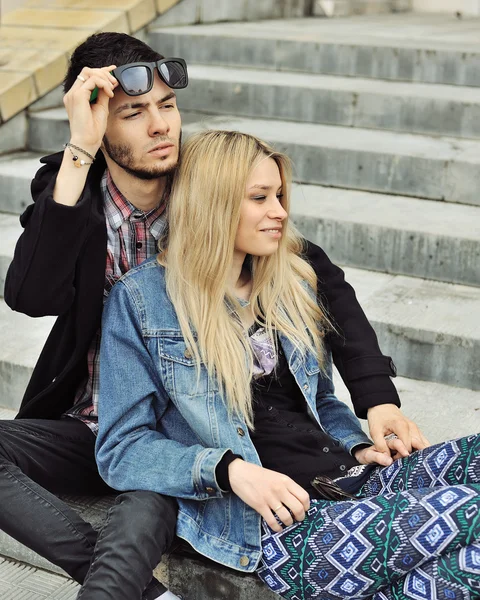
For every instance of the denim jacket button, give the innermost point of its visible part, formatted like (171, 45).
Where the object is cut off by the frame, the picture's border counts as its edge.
(244, 560)
(305, 387)
(240, 431)
(210, 490)
(187, 353)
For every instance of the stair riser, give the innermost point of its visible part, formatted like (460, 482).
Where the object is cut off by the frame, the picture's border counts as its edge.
(431, 356)
(428, 178)
(45, 135)
(334, 107)
(4, 264)
(376, 62)
(394, 251)
(14, 193)
(14, 379)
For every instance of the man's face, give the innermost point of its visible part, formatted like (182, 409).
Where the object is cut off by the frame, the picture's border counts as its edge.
(143, 132)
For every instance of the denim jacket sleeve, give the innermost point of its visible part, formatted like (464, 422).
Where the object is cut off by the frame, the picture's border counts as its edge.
(336, 417)
(131, 453)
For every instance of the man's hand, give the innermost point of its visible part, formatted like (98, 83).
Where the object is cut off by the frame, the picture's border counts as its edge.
(268, 492)
(386, 419)
(88, 122)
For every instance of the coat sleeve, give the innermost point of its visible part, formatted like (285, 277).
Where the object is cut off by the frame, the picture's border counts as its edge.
(40, 279)
(132, 452)
(365, 370)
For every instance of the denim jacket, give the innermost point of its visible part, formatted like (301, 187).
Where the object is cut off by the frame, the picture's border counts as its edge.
(164, 430)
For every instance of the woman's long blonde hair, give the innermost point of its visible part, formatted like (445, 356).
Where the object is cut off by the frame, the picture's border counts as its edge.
(203, 215)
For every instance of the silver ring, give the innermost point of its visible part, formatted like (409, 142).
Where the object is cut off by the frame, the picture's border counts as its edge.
(392, 436)
(279, 506)
(81, 78)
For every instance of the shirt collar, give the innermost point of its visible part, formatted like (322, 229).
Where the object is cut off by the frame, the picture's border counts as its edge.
(118, 209)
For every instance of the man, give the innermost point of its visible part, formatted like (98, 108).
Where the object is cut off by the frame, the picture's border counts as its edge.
(98, 212)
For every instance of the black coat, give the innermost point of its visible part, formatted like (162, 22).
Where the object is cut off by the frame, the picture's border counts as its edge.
(59, 269)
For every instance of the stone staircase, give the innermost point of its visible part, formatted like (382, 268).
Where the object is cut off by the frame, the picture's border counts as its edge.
(380, 115)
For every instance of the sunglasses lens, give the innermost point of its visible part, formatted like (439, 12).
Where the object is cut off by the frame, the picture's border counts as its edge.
(173, 74)
(136, 80)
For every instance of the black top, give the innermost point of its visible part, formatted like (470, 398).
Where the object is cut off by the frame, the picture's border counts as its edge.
(288, 440)
(286, 437)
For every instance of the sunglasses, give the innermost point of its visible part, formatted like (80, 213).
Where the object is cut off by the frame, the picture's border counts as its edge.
(329, 490)
(136, 79)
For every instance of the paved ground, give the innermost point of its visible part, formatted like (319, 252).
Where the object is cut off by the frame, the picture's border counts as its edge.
(22, 582)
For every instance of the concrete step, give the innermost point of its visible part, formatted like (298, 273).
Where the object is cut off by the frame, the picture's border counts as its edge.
(420, 48)
(10, 230)
(431, 329)
(346, 101)
(16, 173)
(21, 340)
(380, 161)
(392, 234)
(434, 168)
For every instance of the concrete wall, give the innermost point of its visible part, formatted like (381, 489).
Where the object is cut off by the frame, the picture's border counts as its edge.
(466, 7)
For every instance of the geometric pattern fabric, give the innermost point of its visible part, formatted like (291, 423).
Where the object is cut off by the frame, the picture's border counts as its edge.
(413, 534)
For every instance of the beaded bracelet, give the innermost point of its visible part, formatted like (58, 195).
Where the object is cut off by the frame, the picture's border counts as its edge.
(79, 163)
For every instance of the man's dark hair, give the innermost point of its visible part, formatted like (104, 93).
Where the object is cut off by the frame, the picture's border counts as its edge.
(109, 48)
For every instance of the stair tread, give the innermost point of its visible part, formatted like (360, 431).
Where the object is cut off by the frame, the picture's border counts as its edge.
(313, 81)
(442, 32)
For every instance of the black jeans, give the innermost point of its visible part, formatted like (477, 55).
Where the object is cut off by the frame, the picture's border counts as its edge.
(41, 458)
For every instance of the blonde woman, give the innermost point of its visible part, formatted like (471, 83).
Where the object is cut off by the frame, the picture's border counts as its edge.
(215, 388)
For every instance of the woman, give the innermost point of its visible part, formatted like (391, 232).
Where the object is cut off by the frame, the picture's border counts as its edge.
(216, 353)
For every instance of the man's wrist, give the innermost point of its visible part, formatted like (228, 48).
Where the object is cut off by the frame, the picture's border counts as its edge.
(92, 149)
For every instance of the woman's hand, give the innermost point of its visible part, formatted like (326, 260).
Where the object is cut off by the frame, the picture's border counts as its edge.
(268, 492)
(367, 456)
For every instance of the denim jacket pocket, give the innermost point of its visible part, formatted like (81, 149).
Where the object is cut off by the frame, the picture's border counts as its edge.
(180, 368)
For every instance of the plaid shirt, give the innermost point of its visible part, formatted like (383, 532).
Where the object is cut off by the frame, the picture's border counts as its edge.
(132, 237)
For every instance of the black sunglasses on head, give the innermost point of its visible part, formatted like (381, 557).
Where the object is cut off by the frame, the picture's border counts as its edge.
(136, 79)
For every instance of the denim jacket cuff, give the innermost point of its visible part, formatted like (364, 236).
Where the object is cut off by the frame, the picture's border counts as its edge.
(356, 439)
(204, 473)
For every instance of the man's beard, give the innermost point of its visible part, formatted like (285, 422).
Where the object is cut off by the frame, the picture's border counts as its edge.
(122, 155)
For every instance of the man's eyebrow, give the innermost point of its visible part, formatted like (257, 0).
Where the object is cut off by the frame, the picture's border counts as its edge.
(134, 105)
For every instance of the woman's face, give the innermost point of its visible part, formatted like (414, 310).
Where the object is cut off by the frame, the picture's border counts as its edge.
(261, 213)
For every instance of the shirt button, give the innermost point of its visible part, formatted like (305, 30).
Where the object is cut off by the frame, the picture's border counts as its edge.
(139, 245)
(210, 490)
(244, 560)
(240, 431)
(187, 353)
(326, 449)
(270, 408)
(342, 467)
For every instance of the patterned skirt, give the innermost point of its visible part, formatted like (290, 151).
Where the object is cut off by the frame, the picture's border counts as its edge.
(414, 533)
